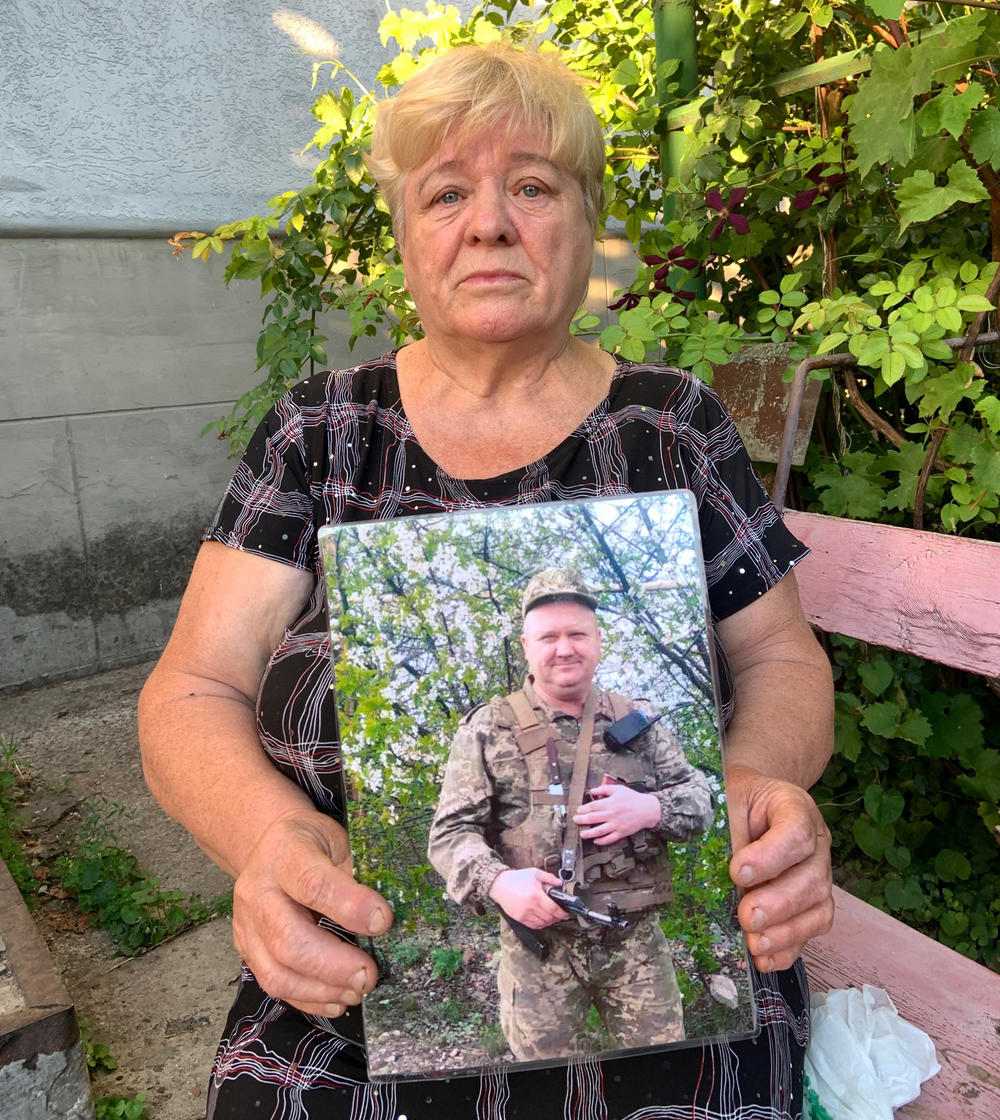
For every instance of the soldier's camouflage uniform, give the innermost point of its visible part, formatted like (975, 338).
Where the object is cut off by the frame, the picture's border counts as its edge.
(628, 976)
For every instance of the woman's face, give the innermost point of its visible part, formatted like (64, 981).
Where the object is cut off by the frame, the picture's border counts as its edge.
(496, 244)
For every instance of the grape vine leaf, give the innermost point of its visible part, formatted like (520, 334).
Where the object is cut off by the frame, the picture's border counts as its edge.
(943, 393)
(883, 127)
(921, 199)
(877, 675)
(989, 409)
(881, 719)
(851, 495)
(986, 466)
(950, 111)
(984, 137)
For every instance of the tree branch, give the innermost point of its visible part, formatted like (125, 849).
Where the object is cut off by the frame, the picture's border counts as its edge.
(971, 4)
(925, 473)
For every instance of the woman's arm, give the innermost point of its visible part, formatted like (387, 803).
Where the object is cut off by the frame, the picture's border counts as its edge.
(204, 763)
(777, 745)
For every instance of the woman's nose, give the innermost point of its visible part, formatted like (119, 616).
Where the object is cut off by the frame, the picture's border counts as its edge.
(490, 217)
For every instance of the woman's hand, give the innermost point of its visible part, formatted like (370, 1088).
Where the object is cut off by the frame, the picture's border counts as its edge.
(299, 869)
(782, 860)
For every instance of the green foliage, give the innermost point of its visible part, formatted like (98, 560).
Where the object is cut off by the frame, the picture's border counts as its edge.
(12, 781)
(406, 954)
(106, 881)
(100, 1060)
(491, 1039)
(701, 896)
(98, 1057)
(912, 794)
(121, 1108)
(798, 228)
(445, 963)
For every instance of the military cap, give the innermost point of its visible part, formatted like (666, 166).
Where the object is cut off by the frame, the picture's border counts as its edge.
(556, 583)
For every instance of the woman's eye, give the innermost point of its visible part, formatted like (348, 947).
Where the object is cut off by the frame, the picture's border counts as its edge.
(449, 198)
(531, 190)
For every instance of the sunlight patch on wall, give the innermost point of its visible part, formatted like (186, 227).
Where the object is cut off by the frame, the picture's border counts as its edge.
(306, 34)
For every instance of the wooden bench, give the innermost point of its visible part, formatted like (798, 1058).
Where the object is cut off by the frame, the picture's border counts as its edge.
(938, 597)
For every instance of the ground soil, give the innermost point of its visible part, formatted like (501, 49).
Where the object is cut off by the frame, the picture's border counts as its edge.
(160, 1014)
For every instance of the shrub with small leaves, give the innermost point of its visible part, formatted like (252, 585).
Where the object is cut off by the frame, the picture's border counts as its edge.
(445, 963)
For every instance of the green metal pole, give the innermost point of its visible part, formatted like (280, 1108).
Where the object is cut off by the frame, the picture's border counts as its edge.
(673, 21)
(676, 38)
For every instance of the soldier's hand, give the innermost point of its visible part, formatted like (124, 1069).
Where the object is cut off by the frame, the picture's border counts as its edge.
(782, 860)
(616, 812)
(300, 869)
(521, 895)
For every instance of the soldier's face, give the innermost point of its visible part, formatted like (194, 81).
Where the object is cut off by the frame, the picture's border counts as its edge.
(562, 647)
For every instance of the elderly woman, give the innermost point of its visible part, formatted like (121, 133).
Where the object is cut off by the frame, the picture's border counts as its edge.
(492, 164)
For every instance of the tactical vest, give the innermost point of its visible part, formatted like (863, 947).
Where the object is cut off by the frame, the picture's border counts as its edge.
(634, 874)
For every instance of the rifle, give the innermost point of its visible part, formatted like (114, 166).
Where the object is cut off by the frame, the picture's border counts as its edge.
(612, 919)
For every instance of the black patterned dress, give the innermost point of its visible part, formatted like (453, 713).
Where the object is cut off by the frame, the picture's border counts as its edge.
(338, 447)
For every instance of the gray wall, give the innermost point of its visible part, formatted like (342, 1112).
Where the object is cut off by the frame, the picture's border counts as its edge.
(143, 115)
(115, 356)
(121, 123)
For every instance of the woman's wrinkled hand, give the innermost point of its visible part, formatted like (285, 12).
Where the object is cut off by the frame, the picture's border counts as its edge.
(782, 860)
(300, 869)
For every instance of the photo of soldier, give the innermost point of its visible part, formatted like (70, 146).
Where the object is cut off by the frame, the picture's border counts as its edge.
(557, 805)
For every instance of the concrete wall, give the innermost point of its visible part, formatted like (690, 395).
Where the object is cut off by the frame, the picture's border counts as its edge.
(121, 123)
(144, 116)
(115, 357)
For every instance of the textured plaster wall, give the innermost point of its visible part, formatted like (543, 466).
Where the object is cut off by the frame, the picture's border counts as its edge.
(139, 116)
(115, 356)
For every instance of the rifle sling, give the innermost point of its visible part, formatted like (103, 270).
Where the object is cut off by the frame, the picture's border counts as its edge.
(581, 767)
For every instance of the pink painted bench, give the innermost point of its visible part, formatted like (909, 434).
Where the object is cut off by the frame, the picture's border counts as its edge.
(938, 597)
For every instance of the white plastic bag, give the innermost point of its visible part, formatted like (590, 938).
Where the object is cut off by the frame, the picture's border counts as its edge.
(863, 1060)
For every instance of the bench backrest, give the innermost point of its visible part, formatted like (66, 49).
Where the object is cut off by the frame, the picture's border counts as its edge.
(939, 597)
(928, 594)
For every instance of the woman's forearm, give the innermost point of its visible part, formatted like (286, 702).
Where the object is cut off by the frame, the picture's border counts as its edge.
(783, 721)
(204, 764)
(201, 755)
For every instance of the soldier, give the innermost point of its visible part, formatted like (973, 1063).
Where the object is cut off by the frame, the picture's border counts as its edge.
(533, 797)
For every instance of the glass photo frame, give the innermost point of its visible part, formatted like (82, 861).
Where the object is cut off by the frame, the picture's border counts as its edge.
(426, 617)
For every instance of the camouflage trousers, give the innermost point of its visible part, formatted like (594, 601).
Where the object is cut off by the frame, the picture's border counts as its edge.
(627, 976)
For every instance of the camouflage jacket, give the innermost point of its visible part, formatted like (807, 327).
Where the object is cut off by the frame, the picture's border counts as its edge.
(485, 791)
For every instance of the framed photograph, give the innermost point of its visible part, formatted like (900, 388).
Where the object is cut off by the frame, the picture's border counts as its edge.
(532, 761)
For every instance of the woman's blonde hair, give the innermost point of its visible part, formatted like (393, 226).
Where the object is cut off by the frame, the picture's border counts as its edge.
(498, 89)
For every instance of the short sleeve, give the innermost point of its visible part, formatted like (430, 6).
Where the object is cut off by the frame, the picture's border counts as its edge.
(747, 548)
(268, 507)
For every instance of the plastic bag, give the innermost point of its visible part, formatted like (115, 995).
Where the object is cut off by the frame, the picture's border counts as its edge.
(863, 1060)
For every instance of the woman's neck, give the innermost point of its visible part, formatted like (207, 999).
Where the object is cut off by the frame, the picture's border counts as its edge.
(485, 414)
